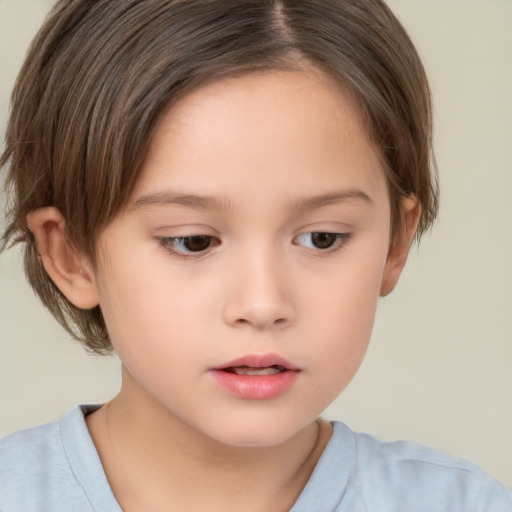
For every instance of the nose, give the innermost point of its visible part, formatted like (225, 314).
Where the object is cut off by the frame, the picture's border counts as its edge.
(259, 294)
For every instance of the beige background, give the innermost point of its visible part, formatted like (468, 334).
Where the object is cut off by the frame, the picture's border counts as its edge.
(439, 370)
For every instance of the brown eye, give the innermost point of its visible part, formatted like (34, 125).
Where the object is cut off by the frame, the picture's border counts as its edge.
(188, 245)
(196, 243)
(323, 240)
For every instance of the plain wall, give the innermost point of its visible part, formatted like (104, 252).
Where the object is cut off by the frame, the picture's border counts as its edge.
(439, 368)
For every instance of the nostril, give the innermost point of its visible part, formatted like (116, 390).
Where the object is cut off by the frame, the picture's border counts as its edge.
(245, 311)
(280, 322)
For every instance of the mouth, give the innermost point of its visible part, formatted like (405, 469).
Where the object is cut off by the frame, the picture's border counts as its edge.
(256, 377)
(258, 364)
(250, 370)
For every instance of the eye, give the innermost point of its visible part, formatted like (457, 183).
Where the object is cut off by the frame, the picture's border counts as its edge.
(323, 240)
(184, 245)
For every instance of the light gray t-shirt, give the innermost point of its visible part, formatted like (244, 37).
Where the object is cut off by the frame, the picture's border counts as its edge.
(55, 468)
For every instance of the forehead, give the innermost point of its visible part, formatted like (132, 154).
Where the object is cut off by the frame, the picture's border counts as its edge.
(265, 132)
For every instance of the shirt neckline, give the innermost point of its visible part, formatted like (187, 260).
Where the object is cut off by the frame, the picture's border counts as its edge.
(331, 475)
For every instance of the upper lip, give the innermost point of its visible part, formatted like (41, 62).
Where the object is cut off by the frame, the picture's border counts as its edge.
(258, 361)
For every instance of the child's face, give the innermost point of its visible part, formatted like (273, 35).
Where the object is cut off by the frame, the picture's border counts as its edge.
(275, 182)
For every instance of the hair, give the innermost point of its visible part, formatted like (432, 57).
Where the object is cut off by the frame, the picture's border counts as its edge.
(100, 74)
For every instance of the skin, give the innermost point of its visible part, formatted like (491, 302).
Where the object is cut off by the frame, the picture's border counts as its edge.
(272, 150)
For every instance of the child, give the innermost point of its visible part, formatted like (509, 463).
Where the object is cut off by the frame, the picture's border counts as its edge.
(219, 192)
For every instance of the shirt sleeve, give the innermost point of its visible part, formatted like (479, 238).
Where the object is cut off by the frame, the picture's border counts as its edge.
(494, 497)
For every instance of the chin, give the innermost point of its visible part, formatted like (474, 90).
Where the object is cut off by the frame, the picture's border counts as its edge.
(258, 434)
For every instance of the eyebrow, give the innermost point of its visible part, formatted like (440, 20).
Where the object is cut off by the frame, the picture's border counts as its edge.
(199, 202)
(311, 203)
(194, 201)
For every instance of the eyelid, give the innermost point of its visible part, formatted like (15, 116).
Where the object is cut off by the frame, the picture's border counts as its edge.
(167, 242)
(184, 230)
(341, 240)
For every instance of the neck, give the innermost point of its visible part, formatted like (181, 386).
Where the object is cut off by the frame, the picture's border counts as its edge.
(155, 461)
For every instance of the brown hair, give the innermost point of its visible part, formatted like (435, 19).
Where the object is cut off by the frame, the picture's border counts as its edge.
(100, 74)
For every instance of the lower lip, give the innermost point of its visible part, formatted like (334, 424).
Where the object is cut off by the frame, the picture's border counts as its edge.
(255, 387)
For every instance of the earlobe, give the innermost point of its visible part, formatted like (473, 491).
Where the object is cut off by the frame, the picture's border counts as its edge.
(398, 252)
(70, 272)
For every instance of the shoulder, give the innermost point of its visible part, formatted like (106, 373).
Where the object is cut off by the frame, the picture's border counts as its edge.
(41, 467)
(29, 455)
(404, 476)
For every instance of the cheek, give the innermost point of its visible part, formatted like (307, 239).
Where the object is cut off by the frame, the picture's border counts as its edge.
(343, 335)
(348, 291)
(154, 315)
(149, 333)
(343, 315)
(348, 322)
(141, 291)
(133, 303)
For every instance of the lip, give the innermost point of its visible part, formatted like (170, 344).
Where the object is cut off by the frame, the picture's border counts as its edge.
(258, 361)
(256, 387)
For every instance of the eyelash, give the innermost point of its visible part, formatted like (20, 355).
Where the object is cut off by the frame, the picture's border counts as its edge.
(168, 243)
(339, 241)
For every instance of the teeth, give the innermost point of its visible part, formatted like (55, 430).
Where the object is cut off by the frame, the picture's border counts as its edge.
(248, 370)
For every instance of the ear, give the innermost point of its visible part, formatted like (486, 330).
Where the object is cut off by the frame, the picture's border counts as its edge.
(398, 252)
(70, 271)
